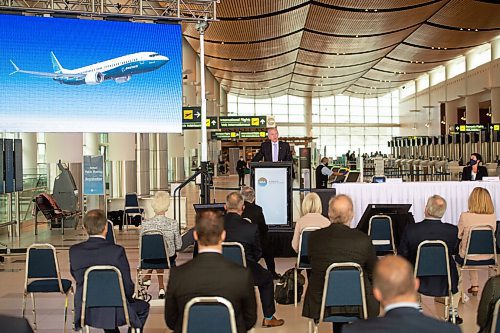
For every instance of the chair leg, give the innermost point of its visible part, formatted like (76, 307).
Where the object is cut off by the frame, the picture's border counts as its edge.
(65, 312)
(33, 310)
(24, 304)
(453, 318)
(72, 310)
(310, 326)
(295, 292)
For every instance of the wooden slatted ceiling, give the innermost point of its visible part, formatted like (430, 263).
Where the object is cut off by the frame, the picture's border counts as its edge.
(324, 47)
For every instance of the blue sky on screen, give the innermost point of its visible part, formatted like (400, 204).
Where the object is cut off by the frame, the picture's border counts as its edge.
(149, 102)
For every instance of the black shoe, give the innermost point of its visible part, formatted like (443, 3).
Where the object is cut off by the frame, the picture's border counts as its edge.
(458, 320)
(276, 276)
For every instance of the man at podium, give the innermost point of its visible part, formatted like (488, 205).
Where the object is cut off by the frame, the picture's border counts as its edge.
(273, 150)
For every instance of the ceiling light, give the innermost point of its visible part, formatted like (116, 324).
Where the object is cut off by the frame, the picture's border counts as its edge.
(230, 59)
(476, 30)
(357, 36)
(461, 29)
(432, 47)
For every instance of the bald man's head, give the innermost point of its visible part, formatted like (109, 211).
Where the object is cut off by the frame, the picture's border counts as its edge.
(340, 209)
(234, 203)
(393, 281)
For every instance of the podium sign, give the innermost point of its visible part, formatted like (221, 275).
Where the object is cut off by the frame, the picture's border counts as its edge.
(93, 175)
(273, 192)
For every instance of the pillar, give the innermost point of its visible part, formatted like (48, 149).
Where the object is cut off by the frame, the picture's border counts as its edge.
(495, 105)
(472, 109)
(30, 153)
(308, 115)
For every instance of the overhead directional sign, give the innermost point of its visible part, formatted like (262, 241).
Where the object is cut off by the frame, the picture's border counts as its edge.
(224, 135)
(495, 127)
(471, 128)
(239, 122)
(191, 119)
(253, 135)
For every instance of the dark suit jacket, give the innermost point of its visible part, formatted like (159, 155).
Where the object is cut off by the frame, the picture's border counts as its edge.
(399, 320)
(256, 215)
(266, 153)
(239, 230)
(240, 166)
(10, 324)
(481, 172)
(98, 251)
(209, 274)
(336, 244)
(491, 293)
(414, 234)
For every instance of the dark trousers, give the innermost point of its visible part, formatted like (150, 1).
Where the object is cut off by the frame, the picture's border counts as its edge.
(337, 327)
(263, 279)
(241, 177)
(268, 255)
(141, 308)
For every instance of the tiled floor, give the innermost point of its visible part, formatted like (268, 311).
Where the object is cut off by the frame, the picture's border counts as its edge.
(50, 307)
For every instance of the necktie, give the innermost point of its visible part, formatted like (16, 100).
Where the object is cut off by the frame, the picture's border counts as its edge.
(275, 152)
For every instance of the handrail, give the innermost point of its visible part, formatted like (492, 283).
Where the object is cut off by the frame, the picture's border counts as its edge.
(178, 190)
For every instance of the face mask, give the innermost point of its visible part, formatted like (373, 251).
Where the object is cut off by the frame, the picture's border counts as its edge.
(472, 162)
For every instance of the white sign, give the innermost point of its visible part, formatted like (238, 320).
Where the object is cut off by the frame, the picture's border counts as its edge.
(271, 194)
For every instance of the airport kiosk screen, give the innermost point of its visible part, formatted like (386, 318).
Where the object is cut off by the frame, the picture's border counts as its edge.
(75, 75)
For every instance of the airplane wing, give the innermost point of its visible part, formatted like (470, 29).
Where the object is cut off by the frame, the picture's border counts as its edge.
(45, 74)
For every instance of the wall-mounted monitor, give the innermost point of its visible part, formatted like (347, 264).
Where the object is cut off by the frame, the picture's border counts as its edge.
(75, 75)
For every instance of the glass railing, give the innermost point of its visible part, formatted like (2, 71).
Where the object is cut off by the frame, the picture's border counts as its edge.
(33, 185)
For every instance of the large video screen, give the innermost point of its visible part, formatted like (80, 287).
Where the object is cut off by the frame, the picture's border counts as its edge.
(73, 75)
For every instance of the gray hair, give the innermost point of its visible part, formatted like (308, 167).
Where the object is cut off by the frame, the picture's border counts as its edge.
(247, 193)
(161, 202)
(435, 207)
(341, 209)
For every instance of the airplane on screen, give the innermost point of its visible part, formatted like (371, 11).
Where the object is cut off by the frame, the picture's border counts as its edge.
(118, 69)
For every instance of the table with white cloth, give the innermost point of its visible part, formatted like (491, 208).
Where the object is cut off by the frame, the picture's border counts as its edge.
(455, 193)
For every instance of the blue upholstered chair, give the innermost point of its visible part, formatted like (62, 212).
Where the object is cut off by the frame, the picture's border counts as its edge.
(382, 235)
(235, 252)
(43, 276)
(209, 315)
(131, 208)
(344, 286)
(302, 258)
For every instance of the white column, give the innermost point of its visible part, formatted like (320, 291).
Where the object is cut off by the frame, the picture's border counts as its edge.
(308, 115)
(495, 105)
(30, 151)
(472, 109)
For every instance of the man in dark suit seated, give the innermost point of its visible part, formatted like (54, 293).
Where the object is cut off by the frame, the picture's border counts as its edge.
(273, 150)
(10, 324)
(431, 228)
(210, 274)
(254, 213)
(395, 287)
(489, 296)
(339, 243)
(97, 251)
(247, 234)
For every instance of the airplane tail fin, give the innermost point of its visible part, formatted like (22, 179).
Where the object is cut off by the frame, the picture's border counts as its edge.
(55, 64)
(15, 67)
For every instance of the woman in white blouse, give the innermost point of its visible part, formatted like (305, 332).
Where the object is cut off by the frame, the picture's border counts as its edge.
(170, 230)
(311, 217)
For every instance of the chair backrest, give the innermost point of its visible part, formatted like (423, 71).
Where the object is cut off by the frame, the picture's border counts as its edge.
(432, 259)
(103, 287)
(381, 232)
(344, 286)
(131, 200)
(303, 256)
(235, 252)
(495, 325)
(41, 263)
(152, 246)
(481, 241)
(209, 315)
(110, 235)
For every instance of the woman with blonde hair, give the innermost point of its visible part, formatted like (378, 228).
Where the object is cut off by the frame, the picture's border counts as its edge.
(481, 213)
(311, 217)
(170, 230)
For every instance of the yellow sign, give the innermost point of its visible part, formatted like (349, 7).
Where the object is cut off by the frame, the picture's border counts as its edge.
(462, 128)
(262, 134)
(496, 127)
(188, 114)
(207, 123)
(233, 134)
(255, 122)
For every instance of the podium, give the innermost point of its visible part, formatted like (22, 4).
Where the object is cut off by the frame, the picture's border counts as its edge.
(272, 182)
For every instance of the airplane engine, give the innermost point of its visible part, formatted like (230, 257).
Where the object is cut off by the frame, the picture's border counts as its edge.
(123, 79)
(94, 78)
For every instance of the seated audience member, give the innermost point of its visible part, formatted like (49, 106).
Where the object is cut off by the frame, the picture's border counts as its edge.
(97, 251)
(490, 295)
(395, 287)
(254, 213)
(474, 171)
(339, 243)
(481, 212)
(239, 230)
(170, 230)
(14, 325)
(210, 274)
(311, 217)
(431, 228)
